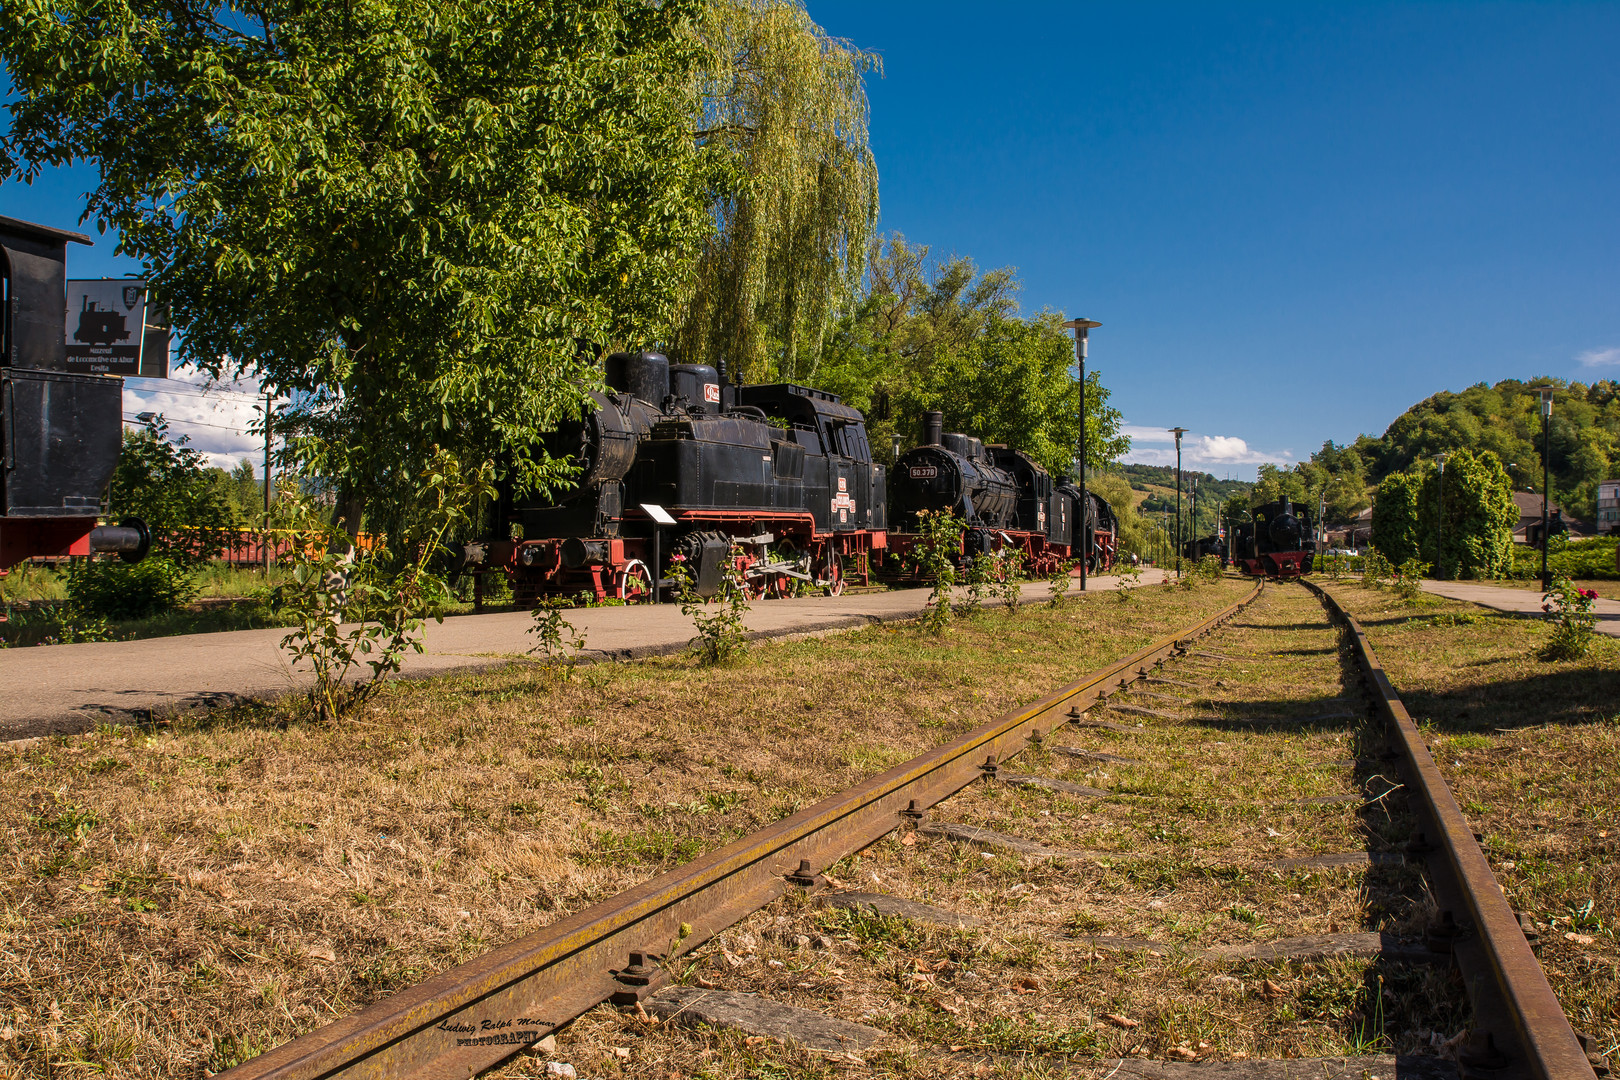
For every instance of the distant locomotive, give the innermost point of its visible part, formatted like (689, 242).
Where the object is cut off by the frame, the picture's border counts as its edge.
(1008, 500)
(1275, 542)
(784, 472)
(1206, 545)
(61, 432)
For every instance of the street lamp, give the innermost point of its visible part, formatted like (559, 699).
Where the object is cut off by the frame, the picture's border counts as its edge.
(1546, 480)
(1082, 331)
(146, 417)
(1178, 432)
(1440, 515)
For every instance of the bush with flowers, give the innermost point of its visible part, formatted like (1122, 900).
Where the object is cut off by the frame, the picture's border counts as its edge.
(1569, 609)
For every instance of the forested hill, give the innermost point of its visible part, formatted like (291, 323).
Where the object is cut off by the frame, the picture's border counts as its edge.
(1142, 477)
(1504, 418)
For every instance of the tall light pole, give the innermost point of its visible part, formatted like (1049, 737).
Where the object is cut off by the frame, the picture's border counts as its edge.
(1082, 331)
(1178, 432)
(1440, 516)
(264, 543)
(1546, 479)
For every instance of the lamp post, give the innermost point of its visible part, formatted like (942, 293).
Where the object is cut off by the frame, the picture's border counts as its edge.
(1546, 479)
(1440, 515)
(1082, 331)
(1178, 432)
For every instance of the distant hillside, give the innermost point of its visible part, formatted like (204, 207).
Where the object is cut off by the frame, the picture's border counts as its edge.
(1146, 477)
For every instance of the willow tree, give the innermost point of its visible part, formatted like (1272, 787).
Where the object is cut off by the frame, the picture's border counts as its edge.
(784, 106)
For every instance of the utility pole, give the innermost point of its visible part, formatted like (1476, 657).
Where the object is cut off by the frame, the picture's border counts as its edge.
(1178, 432)
(264, 542)
(1440, 518)
(1082, 331)
(1546, 480)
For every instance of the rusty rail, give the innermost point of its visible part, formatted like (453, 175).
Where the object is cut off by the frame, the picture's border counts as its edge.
(474, 1016)
(1512, 1001)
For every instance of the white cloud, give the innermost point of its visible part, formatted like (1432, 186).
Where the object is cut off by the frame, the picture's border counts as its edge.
(1196, 449)
(216, 416)
(1609, 357)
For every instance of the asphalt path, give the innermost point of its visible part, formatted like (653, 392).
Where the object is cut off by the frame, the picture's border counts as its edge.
(1520, 601)
(60, 689)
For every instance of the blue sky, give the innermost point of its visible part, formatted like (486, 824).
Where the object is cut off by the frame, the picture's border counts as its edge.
(1293, 220)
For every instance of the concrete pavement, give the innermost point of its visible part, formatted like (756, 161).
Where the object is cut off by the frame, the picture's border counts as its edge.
(52, 689)
(1525, 601)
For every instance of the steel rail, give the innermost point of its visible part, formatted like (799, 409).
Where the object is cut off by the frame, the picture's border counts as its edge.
(473, 1016)
(1505, 981)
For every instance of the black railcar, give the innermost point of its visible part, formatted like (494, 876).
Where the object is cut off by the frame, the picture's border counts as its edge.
(60, 432)
(784, 472)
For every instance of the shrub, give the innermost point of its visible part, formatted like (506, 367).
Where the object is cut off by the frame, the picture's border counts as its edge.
(364, 608)
(1375, 569)
(936, 556)
(114, 589)
(977, 574)
(1011, 576)
(1570, 611)
(721, 634)
(1408, 580)
(1061, 580)
(557, 640)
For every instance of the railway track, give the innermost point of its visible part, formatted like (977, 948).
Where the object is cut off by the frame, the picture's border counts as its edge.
(1229, 851)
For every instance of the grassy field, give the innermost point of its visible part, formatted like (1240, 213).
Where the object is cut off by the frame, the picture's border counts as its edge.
(174, 900)
(1248, 767)
(34, 603)
(1532, 751)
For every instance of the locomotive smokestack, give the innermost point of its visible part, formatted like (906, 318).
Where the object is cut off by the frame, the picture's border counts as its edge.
(933, 428)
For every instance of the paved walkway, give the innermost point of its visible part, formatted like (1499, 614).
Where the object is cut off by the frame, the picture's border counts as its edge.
(52, 689)
(1527, 601)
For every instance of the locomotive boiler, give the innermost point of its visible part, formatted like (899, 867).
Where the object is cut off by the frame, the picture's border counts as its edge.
(782, 472)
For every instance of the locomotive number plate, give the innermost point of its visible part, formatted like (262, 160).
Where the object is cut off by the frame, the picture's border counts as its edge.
(924, 472)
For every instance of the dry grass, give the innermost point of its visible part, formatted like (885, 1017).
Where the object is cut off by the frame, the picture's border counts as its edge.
(172, 901)
(1191, 836)
(1532, 751)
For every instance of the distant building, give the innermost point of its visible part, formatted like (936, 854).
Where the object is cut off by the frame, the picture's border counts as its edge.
(1528, 530)
(1608, 519)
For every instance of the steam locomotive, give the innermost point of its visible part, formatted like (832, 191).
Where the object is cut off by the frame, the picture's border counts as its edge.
(61, 431)
(776, 481)
(1275, 542)
(1009, 501)
(671, 454)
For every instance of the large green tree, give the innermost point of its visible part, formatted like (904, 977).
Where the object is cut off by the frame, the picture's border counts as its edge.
(783, 106)
(1396, 525)
(1468, 530)
(927, 335)
(402, 213)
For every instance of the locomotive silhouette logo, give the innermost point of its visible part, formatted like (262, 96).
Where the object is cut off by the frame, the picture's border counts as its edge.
(99, 327)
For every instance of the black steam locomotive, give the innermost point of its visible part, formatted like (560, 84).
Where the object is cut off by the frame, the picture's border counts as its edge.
(1009, 501)
(1194, 550)
(676, 463)
(61, 431)
(1274, 542)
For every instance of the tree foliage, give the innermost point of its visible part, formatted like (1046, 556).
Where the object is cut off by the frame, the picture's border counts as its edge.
(927, 336)
(168, 485)
(403, 213)
(784, 106)
(1468, 530)
(1395, 522)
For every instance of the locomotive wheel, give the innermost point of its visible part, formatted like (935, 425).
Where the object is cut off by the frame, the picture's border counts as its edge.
(830, 574)
(633, 584)
(782, 586)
